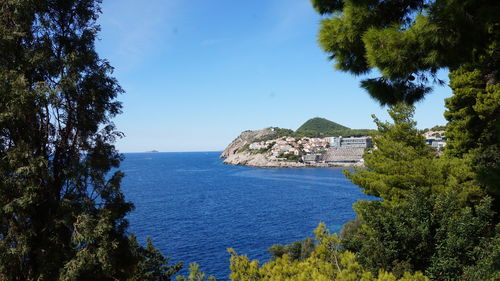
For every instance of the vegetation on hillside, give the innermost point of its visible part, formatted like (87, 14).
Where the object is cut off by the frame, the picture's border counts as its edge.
(277, 133)
(321, 127)
(435, 128)
(313, 128)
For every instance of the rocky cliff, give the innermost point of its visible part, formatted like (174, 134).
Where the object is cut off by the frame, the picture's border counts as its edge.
(234, 156)
(259, 160)
(246, 137)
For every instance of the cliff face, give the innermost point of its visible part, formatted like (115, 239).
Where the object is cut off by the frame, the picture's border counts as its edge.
(246, 137)
(259, 160)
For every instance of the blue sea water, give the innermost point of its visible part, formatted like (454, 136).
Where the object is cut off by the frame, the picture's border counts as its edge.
(194, 207)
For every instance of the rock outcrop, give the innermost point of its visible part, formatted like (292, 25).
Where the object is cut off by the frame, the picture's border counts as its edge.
(246, 137)
(259, 160)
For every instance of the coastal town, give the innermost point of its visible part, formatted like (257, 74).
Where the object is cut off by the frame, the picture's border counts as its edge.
(328, 151)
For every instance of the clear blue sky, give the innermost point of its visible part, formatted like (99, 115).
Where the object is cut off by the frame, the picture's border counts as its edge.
(197, 73)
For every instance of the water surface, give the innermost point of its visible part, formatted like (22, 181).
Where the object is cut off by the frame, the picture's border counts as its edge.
(194, 207)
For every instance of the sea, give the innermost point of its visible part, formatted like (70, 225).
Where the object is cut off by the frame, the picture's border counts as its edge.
(194, 207)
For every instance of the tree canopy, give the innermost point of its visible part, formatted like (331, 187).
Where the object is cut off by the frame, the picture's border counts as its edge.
(434, 216)
(326, 262)
(62, 213)
(407, 42)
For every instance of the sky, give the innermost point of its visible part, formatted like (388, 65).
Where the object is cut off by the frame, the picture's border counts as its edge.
(197, 73)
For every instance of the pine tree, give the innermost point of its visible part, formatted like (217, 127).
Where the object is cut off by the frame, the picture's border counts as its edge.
(433, 218)
(408, 42)
(474, 125)
(62, 213)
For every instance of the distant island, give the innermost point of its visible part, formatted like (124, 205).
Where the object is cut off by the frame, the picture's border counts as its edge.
(317, 143)
(151, 151)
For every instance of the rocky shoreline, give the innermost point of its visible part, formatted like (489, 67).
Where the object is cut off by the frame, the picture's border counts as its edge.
(261, 161)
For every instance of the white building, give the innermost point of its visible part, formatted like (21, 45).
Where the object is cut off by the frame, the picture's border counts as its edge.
(438, 143)
(331, 140)
(363, 142)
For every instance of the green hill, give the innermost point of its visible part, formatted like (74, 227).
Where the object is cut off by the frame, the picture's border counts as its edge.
(321, 127)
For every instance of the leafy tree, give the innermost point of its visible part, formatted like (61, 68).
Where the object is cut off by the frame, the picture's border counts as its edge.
(435, 128)
(152, 265)
(433, 234)
(400, 159)
(433, 218)
(195, 274)
(486, 257)
(62, 213)
(474, 124)
(326, 262)
(401, 163)
(298, 250)
(408, 42)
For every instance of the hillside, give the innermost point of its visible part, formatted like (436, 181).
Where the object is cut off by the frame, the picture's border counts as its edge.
(321, 127)
(245, 138)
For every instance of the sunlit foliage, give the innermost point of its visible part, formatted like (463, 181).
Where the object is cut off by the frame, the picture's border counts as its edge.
(327, 262)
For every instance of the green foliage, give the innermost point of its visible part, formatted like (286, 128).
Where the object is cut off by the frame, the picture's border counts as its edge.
(320, 127)
(298, 250)
(262, 150)
(246, 147)
(278, 133)
(281, 132)
(290, 157)
(407, 41)
(434, 234)
(152, 265)
(326, 262)
(401, 160)
(195, 274)
(62, 213)
(327, 6)
(474, 124)
(435, 128)
(486, 256)
(434, 216)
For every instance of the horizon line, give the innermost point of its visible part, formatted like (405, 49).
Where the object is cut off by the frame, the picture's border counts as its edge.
(171, 151)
